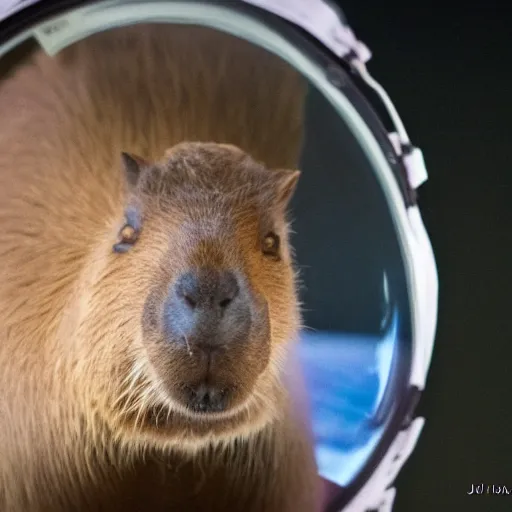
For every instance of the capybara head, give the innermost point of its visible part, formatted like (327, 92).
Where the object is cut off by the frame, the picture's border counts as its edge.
(195, 302)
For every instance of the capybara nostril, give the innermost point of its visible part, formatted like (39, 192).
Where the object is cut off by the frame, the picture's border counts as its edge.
(224, 303)
(189, 301)
(207, 307)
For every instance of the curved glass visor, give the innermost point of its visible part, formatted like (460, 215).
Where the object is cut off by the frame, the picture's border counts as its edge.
(350, 230)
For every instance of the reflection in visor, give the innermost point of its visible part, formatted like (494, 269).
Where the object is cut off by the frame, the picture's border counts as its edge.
(346, 375)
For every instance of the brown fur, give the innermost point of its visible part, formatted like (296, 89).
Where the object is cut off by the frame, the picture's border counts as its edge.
(88, 421)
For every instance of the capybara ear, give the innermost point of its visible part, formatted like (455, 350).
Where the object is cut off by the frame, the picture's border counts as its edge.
(132, 166)
(286, 182)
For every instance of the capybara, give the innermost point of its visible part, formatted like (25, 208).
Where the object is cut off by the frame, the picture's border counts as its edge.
(148, 297)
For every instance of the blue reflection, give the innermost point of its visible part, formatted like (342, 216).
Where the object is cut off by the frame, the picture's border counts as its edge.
(346, 376)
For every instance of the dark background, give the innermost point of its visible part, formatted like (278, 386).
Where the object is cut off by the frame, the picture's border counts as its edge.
(447, 69)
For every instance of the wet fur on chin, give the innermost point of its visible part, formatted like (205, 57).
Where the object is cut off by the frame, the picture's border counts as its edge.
(156, 420)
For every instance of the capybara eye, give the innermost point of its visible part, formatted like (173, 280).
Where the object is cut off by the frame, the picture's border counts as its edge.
(127, 237)
(271, 245)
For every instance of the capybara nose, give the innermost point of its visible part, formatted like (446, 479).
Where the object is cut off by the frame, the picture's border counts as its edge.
(209, 290)
(207, 308)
